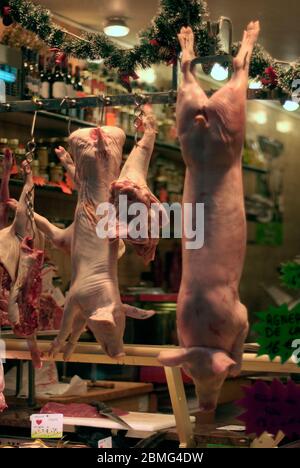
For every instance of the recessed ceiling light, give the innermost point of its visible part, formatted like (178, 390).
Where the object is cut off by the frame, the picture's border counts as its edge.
(116, 27)
(291, 106)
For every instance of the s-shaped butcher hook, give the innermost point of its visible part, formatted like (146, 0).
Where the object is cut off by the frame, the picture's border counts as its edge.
(103, 102)
(70, 104)
(31, 145)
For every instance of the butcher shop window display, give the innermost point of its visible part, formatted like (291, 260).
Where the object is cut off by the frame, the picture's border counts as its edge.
(212, 323)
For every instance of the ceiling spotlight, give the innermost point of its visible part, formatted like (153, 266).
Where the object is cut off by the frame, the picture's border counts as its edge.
(291, 106)
(219, 73)
(116, 27)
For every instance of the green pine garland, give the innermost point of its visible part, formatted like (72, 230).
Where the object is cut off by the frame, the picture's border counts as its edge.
(157, 44)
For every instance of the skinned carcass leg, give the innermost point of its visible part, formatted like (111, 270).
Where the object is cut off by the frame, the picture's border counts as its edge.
(212, 323)
(132, 183)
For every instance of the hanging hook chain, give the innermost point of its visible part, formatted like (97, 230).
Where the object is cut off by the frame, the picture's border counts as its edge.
(30, 209)
(139, 113)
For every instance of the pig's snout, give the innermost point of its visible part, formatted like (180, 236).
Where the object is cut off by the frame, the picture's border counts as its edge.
(208, 392)
(207, 367)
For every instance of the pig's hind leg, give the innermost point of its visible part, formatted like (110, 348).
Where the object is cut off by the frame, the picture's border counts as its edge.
(187, 42)
(241, 63)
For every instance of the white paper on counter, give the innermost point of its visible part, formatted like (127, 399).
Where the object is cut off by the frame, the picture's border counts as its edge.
(46, 383)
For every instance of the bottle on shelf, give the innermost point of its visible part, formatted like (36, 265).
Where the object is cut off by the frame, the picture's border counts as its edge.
(35, 76)
(58, 83)
(78, 86)
(27, 69)
(35, 168)
(69, 80)
(79, 92)
(20, 154)
(45, 81)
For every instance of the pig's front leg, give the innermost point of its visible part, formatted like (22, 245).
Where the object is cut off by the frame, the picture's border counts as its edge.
(60, 238)
(68, 163)
(132, 184)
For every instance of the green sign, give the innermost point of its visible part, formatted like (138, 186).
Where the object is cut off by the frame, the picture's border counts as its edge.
(269, 234)
(277, 329)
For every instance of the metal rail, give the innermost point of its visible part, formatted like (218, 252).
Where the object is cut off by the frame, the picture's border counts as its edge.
(118, 100)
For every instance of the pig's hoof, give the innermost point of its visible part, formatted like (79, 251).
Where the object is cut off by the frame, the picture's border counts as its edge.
(187, 40)
(252, 32)
(108, 328)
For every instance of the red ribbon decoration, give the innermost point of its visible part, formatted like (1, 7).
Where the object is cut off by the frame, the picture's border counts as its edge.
(154, 42)
(6, 10)
(59, 56)
(125, 78)
(270, 78)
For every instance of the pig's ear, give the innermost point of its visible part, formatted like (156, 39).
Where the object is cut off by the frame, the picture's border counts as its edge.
(98, 136)
(95, 133)
(139, 314)
(207, 361)
(221, 362)
(176, 357)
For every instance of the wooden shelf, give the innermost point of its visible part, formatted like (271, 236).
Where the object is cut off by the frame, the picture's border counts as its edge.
(41, 188)
(46, 120)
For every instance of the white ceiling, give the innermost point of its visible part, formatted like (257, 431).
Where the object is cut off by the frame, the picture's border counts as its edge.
(279, 18)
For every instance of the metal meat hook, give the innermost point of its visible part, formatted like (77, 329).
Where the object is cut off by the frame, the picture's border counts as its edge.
(103, 102)
(31, 145)
(70, 104)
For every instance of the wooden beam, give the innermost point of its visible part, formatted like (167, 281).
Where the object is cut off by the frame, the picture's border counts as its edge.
(138, 356)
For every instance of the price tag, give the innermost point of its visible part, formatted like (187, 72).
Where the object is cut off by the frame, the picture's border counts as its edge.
(277, 329)
(272, 408)
(105, 443)
(47, 426)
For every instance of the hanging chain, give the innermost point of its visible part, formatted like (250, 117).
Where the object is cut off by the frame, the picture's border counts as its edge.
(139, 113)
(30, 209)
(30, 148)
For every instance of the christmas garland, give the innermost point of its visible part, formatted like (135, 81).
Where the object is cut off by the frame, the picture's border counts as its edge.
(157, 44)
